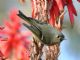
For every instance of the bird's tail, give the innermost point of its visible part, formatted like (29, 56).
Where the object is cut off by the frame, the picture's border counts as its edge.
(25, 18)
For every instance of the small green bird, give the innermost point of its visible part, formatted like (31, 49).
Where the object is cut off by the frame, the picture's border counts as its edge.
(43, 31)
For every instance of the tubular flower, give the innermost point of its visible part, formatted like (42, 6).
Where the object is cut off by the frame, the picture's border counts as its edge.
(54, 12)
(71, 9)
(58, 6)
(14, 44)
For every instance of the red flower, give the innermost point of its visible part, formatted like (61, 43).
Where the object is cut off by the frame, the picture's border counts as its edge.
(60, 5)
(54, 12)
(57, 6)
(71, 9)
(13, 43)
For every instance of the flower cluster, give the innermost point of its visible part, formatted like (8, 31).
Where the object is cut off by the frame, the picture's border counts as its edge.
(14, 42)
(58, 6)
(55, 8)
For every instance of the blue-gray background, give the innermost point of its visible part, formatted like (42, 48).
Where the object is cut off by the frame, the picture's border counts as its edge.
(70, 48)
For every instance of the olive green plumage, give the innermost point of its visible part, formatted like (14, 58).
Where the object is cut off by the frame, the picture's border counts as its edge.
(42, 30)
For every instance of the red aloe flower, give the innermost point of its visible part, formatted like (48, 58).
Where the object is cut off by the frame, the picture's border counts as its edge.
(54, 12)
(13, 42)
(57, 6)
(71, 9)
(60, 5)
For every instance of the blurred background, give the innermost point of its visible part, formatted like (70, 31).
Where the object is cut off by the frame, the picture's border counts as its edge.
(7, 5)
(70, 48)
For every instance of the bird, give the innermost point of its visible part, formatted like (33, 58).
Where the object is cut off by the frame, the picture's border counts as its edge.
(42, 31)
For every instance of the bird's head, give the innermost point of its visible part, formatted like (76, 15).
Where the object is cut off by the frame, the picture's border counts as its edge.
(58, 37)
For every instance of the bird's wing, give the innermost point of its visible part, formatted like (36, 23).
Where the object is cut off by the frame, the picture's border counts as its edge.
(35, 30)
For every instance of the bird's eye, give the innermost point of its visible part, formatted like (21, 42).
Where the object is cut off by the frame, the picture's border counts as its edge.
(58, 36)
